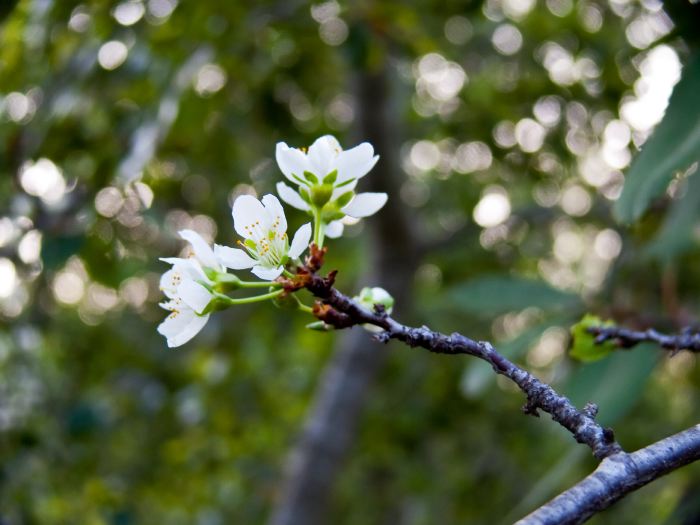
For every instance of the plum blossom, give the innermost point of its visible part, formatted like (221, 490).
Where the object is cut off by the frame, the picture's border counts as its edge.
(326, 176)
(266, 247)
(184, 286)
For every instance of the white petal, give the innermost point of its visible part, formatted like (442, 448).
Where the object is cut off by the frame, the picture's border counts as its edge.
(267, 273)
(323, 154)
(182, 327)
(201, 249)
(291, 197)
(247, 210)
(356, 162)
(300, 241)
(194, 295)
(169, 282)
(276, 213)
(291, 161)
(334, 229)
(234, 258)
(172, 260)
(365, 204)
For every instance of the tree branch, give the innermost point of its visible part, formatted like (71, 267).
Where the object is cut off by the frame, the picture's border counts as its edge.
(617, 476)
(688, 340)
(341, 311)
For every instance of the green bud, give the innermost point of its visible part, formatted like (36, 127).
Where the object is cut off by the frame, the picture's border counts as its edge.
(225, 281)
(320, 194)
(331, 177)
(313, 179)
(320, 326)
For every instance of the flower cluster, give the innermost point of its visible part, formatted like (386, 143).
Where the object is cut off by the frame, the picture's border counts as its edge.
(325, 177)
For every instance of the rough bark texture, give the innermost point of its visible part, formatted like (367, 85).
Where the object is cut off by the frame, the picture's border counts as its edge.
(688, 340)
(616, 477)
(341, 311)
(330, 427)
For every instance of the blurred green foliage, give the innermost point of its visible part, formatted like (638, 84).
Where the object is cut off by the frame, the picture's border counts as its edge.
(123, 122)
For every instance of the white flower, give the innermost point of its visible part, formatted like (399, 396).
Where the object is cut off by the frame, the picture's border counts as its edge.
(266, 247)
(187, 298)
(327, 176)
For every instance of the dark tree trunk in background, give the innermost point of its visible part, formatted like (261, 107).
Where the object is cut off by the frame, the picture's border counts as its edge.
(331, 425)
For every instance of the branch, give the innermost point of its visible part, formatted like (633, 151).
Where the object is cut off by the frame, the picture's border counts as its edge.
(617, 476)
(341, 311)
(688, 340)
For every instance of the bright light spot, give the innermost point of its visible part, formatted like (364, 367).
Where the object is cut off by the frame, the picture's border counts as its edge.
(100, 298)
(108, 201)
(8, 277)
(648, 28)
(551, 345)
(425, 155)
(517, 9)
(8, 232)
(458, 30)
(591, 18)
(144, 193)
(134, 291)
(112, 54)
(43, 179)
(530, 135)
(568, 247)
(128, 13)
(575, 201)
(608, 244)
(660, 71)
(79, 20)
(210, 79)
(507, 39)
(341, 110)
(19, 107)
(333, 31)
(504, 134)
(472, 156)
(560, 8)
(493, 208)
(161, 8)
(325, 11)
(440, 78)
(617, 134)
(68, 287)
(548, 110)
(29, 248)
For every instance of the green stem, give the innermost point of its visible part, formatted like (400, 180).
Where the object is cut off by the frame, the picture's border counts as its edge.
(258, 284)
(318, 228)
(248, 300)
(305, 308)
(287, 273)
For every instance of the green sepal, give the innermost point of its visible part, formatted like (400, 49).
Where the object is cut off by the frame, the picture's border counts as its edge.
(331, 177)
(299, 180)
(304, 193)
(313, 179)
(584, 347)
(225, 282)
(344, 199)
(320, 326)
(349, 181)
(331, 214)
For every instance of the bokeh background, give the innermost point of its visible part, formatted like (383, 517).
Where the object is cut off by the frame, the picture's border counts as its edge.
(505, 129)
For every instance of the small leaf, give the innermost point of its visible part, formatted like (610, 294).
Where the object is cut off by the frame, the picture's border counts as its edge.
(584, 347)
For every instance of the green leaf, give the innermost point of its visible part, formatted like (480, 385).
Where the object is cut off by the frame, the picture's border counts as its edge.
(494, 295)
(677, 234)
(673, 147)
(584, 348)
(615, 383)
